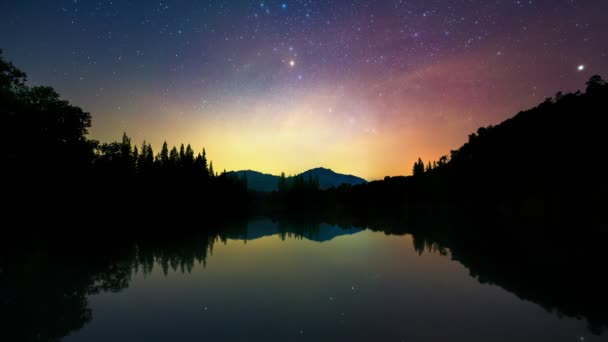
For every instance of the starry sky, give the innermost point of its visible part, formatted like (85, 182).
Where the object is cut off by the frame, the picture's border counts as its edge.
(362, 87)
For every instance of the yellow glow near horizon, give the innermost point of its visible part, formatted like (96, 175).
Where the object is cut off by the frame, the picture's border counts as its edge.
(370, 126)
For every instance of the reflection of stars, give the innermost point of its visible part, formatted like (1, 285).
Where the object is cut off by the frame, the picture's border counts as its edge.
(581, 67)
(292, 63)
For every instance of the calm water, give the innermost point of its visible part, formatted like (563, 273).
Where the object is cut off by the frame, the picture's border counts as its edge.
(331, 284)
(268, 282)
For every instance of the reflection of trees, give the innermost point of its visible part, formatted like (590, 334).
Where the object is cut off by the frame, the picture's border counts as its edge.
(44, 286)
(44, 294)
(550, 264)
(297, 229)
(572, 288)
(422, 244)
(44, 289)
(45, 281)
(178, 255)
(560, 272)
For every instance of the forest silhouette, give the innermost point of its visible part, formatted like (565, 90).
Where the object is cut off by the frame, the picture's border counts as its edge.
(529, 167)
(521, 204)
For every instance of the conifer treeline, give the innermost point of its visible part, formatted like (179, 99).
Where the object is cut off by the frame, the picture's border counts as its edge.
(51, 163)
(298, 183)
(131, 160)
(525, 159)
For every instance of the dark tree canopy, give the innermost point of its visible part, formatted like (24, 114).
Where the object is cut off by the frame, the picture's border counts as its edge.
(418, 168)
(37, 119)
(51, 164)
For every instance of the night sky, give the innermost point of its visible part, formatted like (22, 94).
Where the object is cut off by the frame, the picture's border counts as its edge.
(362, 87)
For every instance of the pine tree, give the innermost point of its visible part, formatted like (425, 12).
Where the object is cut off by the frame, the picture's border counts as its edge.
(174, 157)
(182, 155)
(142, 158)
(189, 156)
(135, 155)
(204, 167)
(149, 156)
(211, 173)
(418, 168)
(163, 157)
(127, 162)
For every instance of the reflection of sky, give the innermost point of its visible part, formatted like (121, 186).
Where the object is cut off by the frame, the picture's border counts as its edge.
(364, 286)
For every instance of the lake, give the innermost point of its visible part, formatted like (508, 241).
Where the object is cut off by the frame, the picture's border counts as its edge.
(266, 281)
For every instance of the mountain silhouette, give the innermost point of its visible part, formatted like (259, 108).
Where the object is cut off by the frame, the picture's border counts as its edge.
(265, 182)
(258, 181)
(328, 178)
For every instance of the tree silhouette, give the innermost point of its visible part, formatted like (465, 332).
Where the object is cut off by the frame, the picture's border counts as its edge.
(182, 154)
(37, 119)
(189, 157)
(211, 172)
(282, 183)
(418, 168)
(11, 79)
(594, 84)
(174, 158)
(163, 157)
(50, 162)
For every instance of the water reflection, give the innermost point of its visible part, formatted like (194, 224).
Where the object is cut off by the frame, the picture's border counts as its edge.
(278, 280)
(319, 232)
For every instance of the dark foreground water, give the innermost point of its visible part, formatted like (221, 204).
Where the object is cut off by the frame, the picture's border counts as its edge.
(271, 283)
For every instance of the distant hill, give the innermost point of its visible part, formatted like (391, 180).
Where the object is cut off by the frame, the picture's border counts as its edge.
(542, 148)
(258, 181)
(543, 163)
(327, 178)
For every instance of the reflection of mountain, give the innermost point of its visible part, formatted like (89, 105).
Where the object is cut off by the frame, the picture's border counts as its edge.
(327, 232)
(320, 233)
(327, 178)
(259, 229)
(48, 283)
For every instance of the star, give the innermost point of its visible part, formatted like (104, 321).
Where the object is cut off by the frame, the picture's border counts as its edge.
(370, 59)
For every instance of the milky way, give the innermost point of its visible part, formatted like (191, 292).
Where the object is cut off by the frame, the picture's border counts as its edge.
(363, 87)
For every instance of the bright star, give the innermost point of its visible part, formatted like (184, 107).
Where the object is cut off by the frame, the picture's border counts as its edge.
(581, 67)
(292, 63)
(283, 5)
